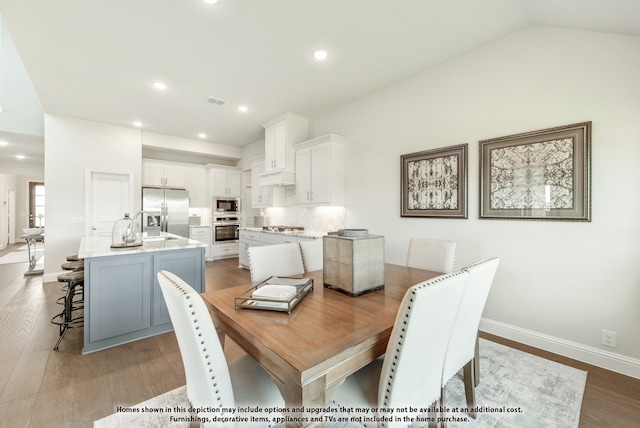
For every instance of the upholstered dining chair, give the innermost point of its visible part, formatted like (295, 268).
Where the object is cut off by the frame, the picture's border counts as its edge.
(410, 372)
(431, 254)
(275, 260)
(463, 345)
(211, 382)
(312, 255)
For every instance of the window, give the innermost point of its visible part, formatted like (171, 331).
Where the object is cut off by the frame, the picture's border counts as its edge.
(36, 204)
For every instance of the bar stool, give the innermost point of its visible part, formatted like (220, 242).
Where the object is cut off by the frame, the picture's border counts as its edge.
(73, 265)
(66, 319)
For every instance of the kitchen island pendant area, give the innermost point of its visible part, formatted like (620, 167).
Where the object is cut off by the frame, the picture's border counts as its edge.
(123, 300)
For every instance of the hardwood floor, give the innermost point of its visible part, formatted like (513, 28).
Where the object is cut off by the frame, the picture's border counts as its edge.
(40, 387)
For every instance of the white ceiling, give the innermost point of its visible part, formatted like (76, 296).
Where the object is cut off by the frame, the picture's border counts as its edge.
(98, 60)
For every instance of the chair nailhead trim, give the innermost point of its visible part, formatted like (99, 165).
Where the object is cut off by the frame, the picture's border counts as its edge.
(203, 342)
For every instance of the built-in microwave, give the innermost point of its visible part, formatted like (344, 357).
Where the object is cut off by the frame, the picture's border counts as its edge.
(226, 205)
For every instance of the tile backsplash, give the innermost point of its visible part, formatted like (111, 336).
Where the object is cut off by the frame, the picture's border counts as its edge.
(320, 219)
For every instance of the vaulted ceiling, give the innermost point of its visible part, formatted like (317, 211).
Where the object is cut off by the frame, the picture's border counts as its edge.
(98, 60)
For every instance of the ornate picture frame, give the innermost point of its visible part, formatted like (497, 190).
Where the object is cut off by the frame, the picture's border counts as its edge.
(539, 175)
(434, 183)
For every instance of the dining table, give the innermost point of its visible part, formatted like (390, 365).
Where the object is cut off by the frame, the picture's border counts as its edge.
(326, 337)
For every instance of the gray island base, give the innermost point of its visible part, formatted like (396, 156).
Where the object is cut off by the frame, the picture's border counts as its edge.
(123, 300)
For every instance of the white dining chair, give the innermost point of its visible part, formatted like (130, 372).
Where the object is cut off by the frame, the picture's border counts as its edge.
(275, 260)
(431, 254)
(409, 374)
(312, 255)
(211, 382)
(463, 345)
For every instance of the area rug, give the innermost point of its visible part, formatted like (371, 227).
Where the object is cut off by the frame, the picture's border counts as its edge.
(20, 256)
(517, 390)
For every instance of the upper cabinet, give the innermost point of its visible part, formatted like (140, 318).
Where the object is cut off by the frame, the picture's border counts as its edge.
(197, 186)
(226, 182)
(158, 173)
(264, 196)
(280, 135)
(182, 176)
(320, 171)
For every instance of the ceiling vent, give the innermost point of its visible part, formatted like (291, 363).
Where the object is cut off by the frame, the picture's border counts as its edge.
(216, 101)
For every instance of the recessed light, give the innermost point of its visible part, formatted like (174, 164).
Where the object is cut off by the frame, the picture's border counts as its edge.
(159, 86)
(320, 55)
(20, 157)
(137, 124)
(202, 135)
(243, 109)
(211, 1)
(3, 143)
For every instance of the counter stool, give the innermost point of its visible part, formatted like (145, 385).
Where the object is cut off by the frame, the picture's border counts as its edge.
(66, 319)
(73, 258)
(73, 265)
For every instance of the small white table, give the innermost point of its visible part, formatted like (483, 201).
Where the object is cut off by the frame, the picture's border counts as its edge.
(35, 267)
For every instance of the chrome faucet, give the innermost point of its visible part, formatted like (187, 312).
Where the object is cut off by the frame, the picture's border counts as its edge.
(135, 227)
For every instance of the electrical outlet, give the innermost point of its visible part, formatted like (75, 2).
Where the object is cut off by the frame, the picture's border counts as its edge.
(609, 338)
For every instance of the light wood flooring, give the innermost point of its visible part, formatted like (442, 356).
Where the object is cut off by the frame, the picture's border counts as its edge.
(40, 387)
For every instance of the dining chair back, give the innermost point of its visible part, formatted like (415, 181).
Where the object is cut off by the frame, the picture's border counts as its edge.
(411, 370)
(312, 254)
(211, 382)
(461, 352)
(275, 260)
(431, 254)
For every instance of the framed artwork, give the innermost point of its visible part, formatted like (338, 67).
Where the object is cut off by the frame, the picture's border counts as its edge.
(434, 183)
(539, 175)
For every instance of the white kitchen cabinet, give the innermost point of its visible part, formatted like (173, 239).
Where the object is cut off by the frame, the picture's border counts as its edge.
(158, 173)
(280, 135)
(202, 234)
(224, 251)
(252, 238)
(197, 186)
(226, 182)
(264, 196)
(247, 239)
(320, 171)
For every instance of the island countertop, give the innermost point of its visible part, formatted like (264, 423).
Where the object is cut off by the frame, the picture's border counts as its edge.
(100, 246)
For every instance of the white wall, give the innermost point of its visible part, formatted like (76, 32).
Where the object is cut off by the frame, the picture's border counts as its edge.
(71, 147)
(22, 111)
(560, 282)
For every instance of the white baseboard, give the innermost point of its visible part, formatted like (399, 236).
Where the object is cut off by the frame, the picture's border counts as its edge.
(607, 360)
(51, 277)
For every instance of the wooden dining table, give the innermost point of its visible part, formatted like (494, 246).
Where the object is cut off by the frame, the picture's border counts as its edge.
(328, 335)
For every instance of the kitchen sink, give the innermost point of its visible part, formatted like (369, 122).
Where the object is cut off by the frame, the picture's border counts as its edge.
(157, 238)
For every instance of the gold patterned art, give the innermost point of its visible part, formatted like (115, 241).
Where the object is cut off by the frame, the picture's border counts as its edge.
(538, 175)
(434, 183)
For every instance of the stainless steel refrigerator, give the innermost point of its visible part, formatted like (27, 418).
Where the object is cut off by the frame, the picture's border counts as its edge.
(170, 208)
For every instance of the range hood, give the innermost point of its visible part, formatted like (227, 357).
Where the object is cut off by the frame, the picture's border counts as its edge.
(278, 178)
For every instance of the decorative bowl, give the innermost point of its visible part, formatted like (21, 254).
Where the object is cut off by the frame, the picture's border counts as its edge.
(354, 233)
(33, 230)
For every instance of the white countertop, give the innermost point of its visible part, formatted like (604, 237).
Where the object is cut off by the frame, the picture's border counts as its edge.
(100, 246)
(301, 233)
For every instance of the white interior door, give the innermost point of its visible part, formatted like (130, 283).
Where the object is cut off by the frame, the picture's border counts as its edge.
(110, 195)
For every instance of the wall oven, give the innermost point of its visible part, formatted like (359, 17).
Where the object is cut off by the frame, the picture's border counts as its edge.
(225, 229)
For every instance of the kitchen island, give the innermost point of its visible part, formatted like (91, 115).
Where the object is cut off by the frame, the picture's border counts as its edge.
(123, 300)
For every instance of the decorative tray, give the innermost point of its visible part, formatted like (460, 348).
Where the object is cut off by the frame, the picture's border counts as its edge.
(275, 294)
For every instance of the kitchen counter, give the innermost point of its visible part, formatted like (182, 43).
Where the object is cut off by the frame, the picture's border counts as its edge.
(254, 236)
(310, 234)
(100, 246)
(123, 300)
